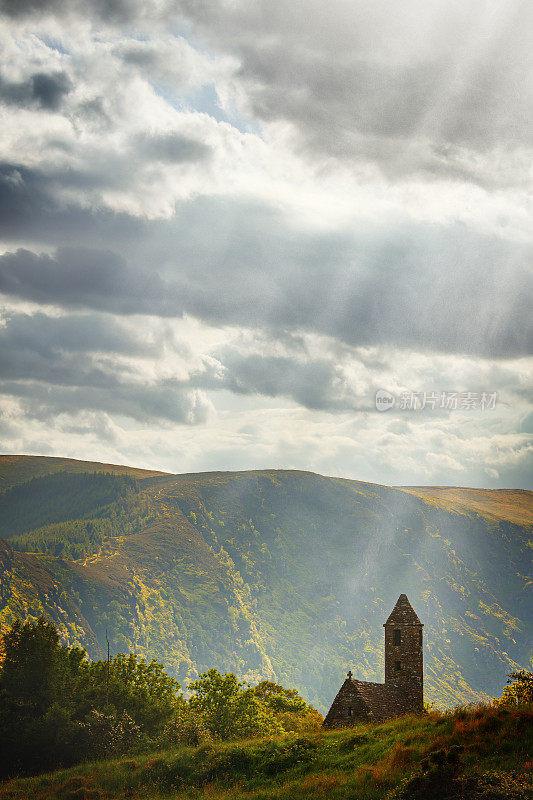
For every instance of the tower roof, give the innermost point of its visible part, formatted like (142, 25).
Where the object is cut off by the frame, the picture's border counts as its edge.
(403, 613)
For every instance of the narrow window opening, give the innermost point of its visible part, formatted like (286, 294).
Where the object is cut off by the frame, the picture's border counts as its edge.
(350, 711)
(397, 665)
(420, 638)
(397, 638)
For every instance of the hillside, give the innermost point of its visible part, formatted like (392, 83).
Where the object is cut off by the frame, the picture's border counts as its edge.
(482, 754)
(20, 469)
(513, 505)
(270, 573)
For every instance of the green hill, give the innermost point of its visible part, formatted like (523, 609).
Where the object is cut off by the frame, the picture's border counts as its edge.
(482, 754)
(270, 573)
(19, 469)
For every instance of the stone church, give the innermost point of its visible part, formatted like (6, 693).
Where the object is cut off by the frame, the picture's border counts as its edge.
(402, 692)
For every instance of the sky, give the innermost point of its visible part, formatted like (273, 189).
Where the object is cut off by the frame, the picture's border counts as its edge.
(228, 226)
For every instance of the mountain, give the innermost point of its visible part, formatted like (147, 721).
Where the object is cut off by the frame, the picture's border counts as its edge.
(269, 573)
(15, 470)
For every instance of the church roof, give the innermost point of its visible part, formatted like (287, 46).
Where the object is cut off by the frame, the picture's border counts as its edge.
(377, 700)
(384, 701)
(403, 613)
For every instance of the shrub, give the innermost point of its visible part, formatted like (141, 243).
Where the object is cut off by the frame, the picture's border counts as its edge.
(141, 689)
(53, 704)
(229, 708)
(279, 757)
(519, 690)
(110, 734)
(288, 707)
(436, 777)
(187, 727)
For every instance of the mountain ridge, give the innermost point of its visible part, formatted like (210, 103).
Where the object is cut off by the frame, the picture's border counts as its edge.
(275, 574)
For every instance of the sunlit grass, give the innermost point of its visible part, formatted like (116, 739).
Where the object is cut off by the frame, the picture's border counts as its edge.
(365, 762)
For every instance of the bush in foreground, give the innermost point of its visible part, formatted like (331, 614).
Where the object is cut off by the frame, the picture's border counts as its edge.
(58, 708)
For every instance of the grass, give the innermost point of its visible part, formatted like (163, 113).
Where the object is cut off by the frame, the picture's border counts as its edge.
(368, 762)
(513, 505)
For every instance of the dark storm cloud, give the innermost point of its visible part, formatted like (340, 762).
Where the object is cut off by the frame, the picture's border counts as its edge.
(60, 351)
(327, 99)
(45, 90)
(81, 354)
(425, 287)
(31, 210)
(76, 333)
(406, 86)
(16, 8)
(75, 363)
(32, 206)
(49, 90)
(115, 217)
(139, 54)
(422, 286)
(144, 403)
(317, 383)
(72, 363)
(111, 10)
(19, 8)
(79, 277)
(78, 358)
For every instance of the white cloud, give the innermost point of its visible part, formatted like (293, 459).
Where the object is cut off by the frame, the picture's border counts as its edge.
(240, 220)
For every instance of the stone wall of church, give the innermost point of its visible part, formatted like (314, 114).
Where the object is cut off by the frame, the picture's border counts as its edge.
(347, 709)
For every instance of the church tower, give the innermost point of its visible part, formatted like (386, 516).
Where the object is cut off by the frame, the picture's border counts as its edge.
(403, 652)
(403, 690)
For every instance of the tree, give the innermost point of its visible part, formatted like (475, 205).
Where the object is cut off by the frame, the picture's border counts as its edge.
(230, 707)
(187, 726)
(289, 708)
(142, 690)
(53, 701)
(39, 682)
(519, 689)
(38, 670)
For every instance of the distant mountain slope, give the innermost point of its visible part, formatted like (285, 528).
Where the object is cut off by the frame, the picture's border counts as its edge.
(513, 505)
(19, 469)
(283, 574)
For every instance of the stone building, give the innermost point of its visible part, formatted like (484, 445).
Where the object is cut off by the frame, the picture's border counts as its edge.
(402, 692)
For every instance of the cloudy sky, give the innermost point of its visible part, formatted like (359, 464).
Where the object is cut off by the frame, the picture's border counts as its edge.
(226, 224)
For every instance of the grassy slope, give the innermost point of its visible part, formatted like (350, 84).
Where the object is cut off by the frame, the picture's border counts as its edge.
(290, 575)
(19, 469)
(513, 505)
(365, 762)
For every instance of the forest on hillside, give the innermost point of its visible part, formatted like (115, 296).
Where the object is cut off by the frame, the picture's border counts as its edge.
(71, 515)
(272, 575)
(57, 707)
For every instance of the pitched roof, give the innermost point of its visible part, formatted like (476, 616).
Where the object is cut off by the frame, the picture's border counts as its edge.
(348, 693)
(384, 701)
(403, 613)
(376, 701)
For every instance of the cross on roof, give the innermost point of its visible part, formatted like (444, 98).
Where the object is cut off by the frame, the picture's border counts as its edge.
(349, 674)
